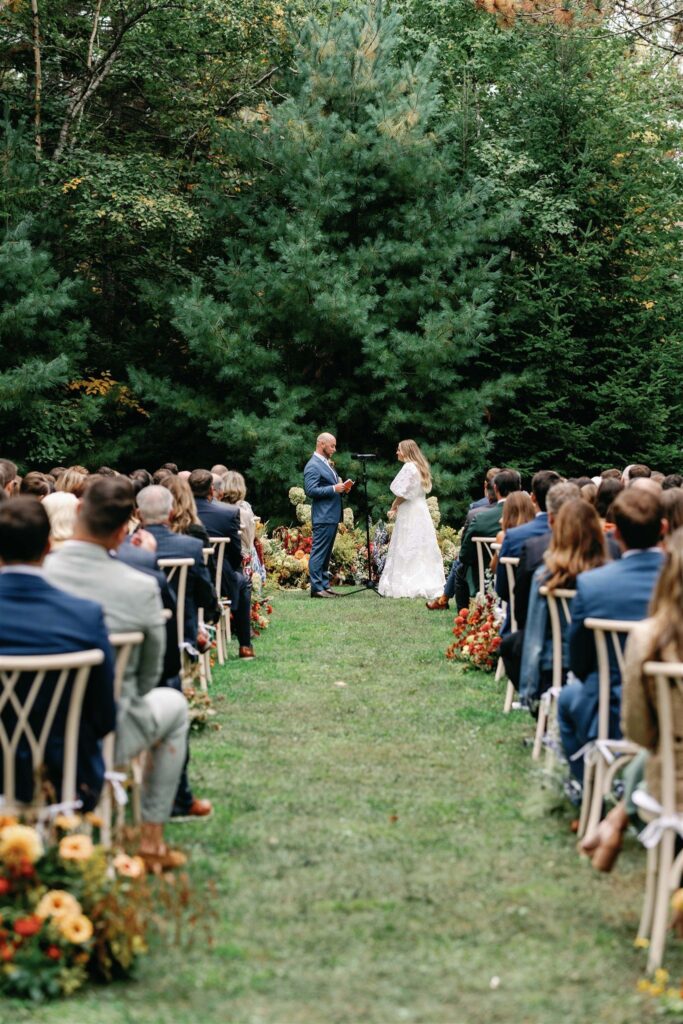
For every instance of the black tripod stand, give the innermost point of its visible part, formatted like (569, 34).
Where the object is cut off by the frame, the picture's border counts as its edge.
(370, 583)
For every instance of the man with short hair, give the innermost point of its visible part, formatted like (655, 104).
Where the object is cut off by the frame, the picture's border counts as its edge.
(155, 507)
(37, 618)
(671, 481)
(8, 477)
(485, 522)
(325, 489)
(617, 590)
(222, 520)
(151, 718)
(515, 538)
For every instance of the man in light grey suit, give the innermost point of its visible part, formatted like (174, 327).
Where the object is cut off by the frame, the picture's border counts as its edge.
(149, 718)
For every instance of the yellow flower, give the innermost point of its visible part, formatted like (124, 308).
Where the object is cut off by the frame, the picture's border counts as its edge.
(67, 822)
(94, 819)
(76, 929)
(661, 976)
(20, 843)
(641, 943)
(6, 820)
(643, 986)
(58, 903)
(76, 848)
(129, 867)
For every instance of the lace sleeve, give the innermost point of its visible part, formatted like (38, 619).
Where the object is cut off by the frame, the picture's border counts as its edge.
(407, 483)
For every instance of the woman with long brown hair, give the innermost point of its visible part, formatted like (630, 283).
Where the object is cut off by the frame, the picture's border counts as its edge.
(577, 544)
(414, 566)
(517, 510)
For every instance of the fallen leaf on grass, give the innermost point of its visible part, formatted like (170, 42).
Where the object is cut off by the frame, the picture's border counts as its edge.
(339, 683)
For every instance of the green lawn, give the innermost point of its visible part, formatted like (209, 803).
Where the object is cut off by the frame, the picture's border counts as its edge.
(374, 854)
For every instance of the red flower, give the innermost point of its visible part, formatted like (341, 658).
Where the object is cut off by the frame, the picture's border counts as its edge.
(6, 952)
(5, 886)
(54, 952)
(27, 926)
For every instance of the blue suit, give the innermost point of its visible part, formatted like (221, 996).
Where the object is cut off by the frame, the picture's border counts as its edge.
(200, 592)
(37, 618)
(513, 542)
(479, 503)
(222, 520)
(326, 514)
(617, 590)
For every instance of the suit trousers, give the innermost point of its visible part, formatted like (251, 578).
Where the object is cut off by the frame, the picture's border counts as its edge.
(568, 704)
(323, 541)
(166, 750)
(242, 615)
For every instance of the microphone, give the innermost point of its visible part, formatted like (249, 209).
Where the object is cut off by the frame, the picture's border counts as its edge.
(358, 455)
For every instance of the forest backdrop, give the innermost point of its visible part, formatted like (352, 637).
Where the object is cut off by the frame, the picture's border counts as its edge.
(227, 226)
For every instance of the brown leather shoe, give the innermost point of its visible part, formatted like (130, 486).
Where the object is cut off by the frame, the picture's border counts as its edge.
(320, 593)
(246, 652)
(439, 602)
(197, 809)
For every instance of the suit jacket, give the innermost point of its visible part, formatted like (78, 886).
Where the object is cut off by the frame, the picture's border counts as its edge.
(484, 523)
(480, 503)
(146, 562)
(37, 618)
(131, 602)
(200, 591)
(326, 503)
(618, 590)
(513, 542)
(222, 520)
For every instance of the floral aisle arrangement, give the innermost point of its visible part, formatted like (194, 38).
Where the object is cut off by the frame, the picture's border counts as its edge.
(476, 632)
(287, 551)
(69, 909)
(260, 616)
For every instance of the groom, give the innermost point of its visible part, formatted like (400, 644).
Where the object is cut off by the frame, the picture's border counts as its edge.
(323, 486)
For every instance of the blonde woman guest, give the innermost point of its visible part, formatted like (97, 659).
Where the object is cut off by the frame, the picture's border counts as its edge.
(73, 480)
(518, 509)
(61, 508)
(414, 566)
(184, 512)
(235, 493)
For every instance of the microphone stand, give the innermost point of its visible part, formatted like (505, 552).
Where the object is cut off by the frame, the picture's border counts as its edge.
(370, 583)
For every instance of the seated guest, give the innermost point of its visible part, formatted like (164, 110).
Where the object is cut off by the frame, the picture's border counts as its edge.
(488, 498)
(140, 478)
(589, 493)
(611, 474)
(657, 638)
(56, 472)
(672, 480)
(515, 539)
(235, 493)
(61, 508)
(35, 485)
(8, 477)
(73, 481)
(672, 505)
(219, 470)
(106, 471)
(635, 472)
(150, 718)
(517, 510)
(155, 509)
(171, 467)
(618, 590)
(577, 544)
(218, 486)
(184, 518)
(607, 492)
(160, 475)
(37, 618)
(482, 522)
(223, 520)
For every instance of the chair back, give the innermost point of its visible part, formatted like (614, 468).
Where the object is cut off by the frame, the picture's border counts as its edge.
(609, 634)
(667, 676)
(484, 556)
(560, 615)
(33, 671)
(207, 552)
(511, 564)
(177, 569)
(219, 544)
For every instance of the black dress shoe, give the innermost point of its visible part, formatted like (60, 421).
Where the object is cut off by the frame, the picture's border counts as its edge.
(319, 593)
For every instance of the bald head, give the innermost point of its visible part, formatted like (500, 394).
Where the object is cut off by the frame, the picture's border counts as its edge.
(326, 445)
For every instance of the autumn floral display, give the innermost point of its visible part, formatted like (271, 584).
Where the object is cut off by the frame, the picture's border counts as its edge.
(69, 910)
(476, 634)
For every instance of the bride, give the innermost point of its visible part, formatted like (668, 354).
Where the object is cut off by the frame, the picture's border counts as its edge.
(414, 567)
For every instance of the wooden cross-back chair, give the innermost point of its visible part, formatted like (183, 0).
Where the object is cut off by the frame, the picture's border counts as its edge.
(223, 624)
(559, 611)
(67, 675)
(176, 569)
(605, 756)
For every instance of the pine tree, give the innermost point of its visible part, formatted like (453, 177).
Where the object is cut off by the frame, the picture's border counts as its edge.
(357, 281)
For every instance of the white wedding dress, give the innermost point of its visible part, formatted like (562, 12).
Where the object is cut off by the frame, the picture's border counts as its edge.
(414, 566)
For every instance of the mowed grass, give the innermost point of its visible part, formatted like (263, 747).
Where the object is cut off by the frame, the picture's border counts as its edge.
(372, 857)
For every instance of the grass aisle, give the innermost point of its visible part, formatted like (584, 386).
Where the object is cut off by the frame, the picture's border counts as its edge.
(374, 856)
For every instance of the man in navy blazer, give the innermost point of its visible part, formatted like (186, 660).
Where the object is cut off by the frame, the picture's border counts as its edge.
(617, 590)
(323, 486)
(37, 618)
(515, 538)
(155, 504)
(222, 520)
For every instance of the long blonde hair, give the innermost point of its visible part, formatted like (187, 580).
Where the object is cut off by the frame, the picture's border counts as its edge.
(411, 453)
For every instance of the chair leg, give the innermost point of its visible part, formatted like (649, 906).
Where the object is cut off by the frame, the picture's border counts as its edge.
(651, 871)
(105, 812)
(219, 640)
(540, 730)
(597, 798)
(586, 798)
(661, 914)
(202, 674)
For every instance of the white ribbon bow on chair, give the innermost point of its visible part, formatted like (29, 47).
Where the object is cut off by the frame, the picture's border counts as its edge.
(116, 780)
